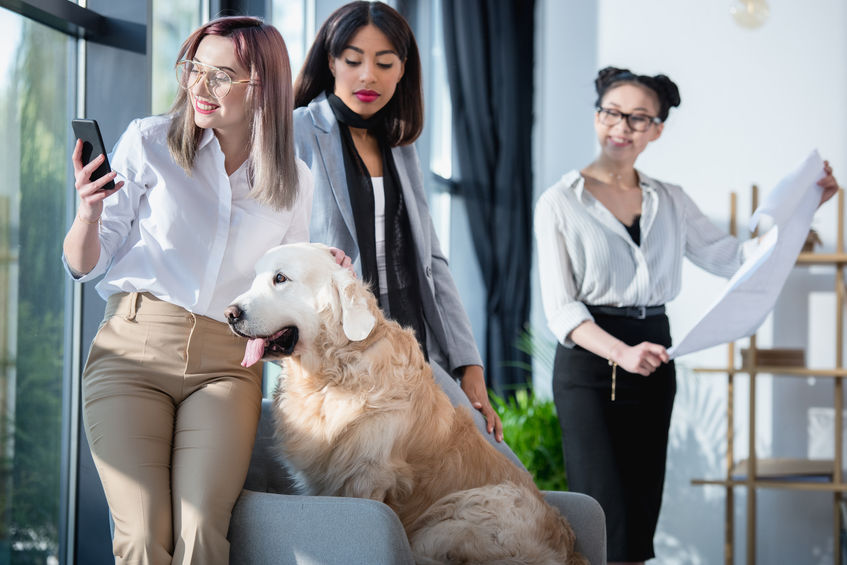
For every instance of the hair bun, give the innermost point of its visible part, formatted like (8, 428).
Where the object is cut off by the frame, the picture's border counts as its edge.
(668, 91)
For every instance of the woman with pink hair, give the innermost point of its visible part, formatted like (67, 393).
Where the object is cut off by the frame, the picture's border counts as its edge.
(200, 194)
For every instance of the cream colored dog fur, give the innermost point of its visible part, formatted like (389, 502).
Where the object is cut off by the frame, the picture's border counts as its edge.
(358, 414)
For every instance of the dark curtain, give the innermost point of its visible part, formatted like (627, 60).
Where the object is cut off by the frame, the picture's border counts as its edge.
(489, 55)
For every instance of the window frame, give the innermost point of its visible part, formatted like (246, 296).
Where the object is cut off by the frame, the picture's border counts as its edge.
(113, 40)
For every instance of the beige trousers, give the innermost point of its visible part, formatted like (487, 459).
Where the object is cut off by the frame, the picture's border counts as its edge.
(170, 416)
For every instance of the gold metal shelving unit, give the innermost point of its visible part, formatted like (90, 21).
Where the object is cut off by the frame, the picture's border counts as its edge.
(754, 473)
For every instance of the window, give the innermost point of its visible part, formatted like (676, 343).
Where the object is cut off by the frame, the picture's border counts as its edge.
(295, 21)
(37, 85)
(441, 142)
(441, 123)
(173, 21)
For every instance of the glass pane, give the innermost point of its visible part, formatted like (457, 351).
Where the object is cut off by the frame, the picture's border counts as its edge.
(441, 162)
(37, 74)
(289, 17)
(173, 21)
(440, 122)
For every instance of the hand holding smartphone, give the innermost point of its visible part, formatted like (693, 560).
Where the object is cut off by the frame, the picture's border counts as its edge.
(92, 146)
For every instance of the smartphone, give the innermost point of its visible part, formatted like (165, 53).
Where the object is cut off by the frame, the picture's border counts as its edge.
(92, 146)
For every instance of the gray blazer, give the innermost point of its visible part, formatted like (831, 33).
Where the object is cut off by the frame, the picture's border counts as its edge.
(317, 139)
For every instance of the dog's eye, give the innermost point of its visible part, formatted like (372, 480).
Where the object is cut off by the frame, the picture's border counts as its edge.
(279, 278)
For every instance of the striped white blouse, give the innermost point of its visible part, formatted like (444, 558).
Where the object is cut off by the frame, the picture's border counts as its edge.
(586, 256)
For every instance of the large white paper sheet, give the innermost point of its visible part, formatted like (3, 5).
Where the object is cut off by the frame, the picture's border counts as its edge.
(785, 218)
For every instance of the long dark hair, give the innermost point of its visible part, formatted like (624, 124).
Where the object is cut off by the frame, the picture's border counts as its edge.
(404, 112)
(664, 88)
(260, 49)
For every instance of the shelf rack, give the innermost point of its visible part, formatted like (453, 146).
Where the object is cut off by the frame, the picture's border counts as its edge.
(807, 475)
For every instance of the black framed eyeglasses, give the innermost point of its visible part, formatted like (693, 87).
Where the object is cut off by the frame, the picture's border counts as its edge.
(636, 121)
(218, 81)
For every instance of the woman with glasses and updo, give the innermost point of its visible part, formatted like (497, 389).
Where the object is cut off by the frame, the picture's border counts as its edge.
(358, 110)
(610, 244)
(202, 192)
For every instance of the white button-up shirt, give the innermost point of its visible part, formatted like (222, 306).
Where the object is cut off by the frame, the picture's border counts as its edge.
(189, 240)
(586, 256)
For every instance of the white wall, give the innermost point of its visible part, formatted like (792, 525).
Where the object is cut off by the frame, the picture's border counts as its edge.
(565, 65)
(754, 103)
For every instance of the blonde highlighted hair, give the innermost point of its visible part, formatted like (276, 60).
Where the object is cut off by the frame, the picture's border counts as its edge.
(260, 49)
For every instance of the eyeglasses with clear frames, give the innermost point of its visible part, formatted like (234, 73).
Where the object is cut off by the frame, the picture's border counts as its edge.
(638, 122)
(218, 81)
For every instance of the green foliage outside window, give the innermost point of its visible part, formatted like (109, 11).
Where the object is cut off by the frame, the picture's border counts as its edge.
(35, 109)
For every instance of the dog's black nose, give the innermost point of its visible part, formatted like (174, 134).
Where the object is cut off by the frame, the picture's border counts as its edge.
(233, 313)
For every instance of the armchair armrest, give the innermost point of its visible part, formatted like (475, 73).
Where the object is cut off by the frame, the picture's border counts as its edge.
(297, 530)
(587, 519)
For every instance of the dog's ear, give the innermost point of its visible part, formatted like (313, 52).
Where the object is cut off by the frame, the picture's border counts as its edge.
(356, 318)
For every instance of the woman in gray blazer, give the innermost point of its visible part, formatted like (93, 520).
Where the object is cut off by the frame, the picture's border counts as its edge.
(359, 107)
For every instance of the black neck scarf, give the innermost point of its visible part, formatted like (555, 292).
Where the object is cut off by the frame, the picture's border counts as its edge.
(404, 303)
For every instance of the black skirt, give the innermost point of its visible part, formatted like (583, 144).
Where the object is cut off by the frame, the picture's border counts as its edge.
(615, 451)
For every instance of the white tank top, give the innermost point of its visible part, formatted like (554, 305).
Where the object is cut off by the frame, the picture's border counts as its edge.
(379, 231)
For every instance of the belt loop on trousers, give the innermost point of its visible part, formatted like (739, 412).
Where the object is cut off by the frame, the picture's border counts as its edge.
(133, 306)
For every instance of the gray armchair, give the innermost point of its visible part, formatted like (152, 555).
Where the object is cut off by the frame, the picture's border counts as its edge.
(271, 526)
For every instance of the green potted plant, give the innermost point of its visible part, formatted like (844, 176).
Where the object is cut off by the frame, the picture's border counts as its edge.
(530, 424)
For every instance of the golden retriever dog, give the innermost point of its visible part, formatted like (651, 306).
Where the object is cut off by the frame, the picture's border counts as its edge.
(358, 414)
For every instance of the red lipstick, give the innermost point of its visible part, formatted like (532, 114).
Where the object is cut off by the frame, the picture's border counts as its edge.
(366, 95)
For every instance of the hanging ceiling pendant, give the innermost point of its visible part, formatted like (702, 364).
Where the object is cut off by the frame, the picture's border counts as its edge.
(749, 13)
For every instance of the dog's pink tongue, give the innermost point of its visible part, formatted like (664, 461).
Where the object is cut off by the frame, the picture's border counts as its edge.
(253, 352)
